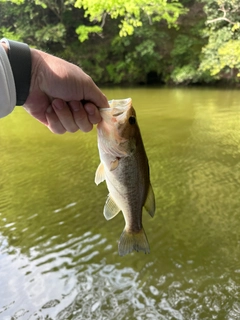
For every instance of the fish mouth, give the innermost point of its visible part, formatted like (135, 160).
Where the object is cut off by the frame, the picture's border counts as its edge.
(120, 103)
(118, 109)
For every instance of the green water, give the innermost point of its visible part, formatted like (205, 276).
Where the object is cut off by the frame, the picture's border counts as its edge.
(58, 255)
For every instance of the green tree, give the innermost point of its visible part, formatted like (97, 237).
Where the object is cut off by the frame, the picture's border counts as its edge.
(154, 52)
(120, 41)
(39, 23)
(130, 14)
(187, 46)
(127, 39)
(221, 55)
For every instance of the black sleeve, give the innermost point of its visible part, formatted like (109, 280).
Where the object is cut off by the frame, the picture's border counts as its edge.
(19, 55)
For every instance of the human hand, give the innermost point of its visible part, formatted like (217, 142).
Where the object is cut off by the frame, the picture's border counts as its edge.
(62, 96)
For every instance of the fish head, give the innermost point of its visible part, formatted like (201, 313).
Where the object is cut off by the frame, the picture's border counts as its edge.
(119, 126)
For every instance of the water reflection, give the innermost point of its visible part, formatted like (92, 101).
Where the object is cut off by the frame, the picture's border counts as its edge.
(74, 289)
(58, 255)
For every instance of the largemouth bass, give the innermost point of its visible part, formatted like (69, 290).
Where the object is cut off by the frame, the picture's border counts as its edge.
(124, 167)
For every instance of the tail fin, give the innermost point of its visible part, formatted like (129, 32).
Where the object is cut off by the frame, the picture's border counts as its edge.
(130, 241)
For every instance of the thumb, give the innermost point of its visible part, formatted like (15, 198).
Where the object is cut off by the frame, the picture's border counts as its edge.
(94, 94)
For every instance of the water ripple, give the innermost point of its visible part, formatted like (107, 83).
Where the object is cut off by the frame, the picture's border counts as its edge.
(53, 267)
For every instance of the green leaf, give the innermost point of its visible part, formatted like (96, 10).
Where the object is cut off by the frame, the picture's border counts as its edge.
(131, 13)
(13, 1)
(84, 31)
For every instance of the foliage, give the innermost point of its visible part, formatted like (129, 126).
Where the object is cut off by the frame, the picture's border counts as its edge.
(185, 55)
(118, 41)
(229, 55)
(220, 56)
(13, 1)
(130, 13)
(184, 74)
(31, 22)
(83, 31)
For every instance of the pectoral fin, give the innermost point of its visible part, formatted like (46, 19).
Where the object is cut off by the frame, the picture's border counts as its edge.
(114, 164)
(100, 174)
(110, 209)
(149, 204)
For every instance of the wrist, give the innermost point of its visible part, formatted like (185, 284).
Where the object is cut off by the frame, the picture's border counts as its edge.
(38, 71)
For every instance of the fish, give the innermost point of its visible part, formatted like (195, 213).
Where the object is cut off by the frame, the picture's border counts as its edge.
(124, 166)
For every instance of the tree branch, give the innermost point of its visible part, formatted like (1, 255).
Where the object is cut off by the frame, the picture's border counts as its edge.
(103, 19)
(219, 19)
(223, 18)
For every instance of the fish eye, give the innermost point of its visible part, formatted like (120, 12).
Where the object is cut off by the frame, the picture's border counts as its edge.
(132, 120)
